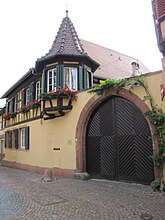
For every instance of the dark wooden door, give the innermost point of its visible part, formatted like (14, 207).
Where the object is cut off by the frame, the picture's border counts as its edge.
(117, 143)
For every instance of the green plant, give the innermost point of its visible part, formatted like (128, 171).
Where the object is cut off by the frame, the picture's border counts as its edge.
(10, 115)
(71, 95)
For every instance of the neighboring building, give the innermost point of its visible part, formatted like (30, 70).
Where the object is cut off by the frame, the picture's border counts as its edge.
(158, 7)
(106, 136)
(2, 133)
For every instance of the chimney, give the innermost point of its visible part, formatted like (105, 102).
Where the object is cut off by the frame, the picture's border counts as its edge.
(135, 68)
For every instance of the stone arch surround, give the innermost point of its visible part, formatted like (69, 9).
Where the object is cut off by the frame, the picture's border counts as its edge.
(86, 113)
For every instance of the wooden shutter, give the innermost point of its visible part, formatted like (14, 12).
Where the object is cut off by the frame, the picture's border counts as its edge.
(16, 138)
(10, 139)
(6, 141)
(61, 76)
(7, 106)
(85, 77)
(44, 82)
(80, 78)
(57, 76)
(11, 106)
(16, 100)
(40, 80)
(32, 92)
(23, 97)
(27, 138)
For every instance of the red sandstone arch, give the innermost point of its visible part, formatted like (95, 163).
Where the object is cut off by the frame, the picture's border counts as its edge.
(86, 113)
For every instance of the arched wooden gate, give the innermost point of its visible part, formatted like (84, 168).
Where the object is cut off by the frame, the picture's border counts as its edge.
(117, 142)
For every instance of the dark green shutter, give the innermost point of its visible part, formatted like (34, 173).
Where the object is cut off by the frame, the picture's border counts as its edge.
(6, 139)
(10, 139)
(16, 99)
(44, 81)
(16, 138)
(31, 91)
(7, 106)
(11, 106)
(40, 80)
(80, 78)
(27, 138)
(57, 77)
(85, 77)
(23, 97)
(61, 76)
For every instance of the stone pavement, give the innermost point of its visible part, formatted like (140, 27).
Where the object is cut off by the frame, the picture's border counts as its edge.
(24, 195)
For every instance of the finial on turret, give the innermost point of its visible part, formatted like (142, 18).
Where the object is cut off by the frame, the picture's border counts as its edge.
(66, 13)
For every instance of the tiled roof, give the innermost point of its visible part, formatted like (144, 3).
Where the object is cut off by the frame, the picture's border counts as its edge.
(112, 64)
(66, 41)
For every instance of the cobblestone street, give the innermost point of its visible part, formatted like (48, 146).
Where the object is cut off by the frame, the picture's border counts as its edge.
(24, 195)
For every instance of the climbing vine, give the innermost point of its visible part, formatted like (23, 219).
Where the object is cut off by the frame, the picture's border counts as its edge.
(157, 116)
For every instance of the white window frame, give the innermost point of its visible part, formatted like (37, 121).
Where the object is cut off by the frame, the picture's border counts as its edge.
(27, 96)
(38, 89)
(53, 80)
(89, 75)
(69, 81)
(23, 138)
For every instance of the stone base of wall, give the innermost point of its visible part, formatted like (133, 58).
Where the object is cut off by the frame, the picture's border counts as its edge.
(69, 173)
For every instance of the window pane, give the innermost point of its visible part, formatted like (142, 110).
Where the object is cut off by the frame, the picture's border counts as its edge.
(23, 138)
(37, 89)
(27, 96)
(51, 80)
(70, 78)
(74, 79)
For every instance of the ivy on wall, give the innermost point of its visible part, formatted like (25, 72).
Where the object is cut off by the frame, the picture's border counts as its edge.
(157, 116)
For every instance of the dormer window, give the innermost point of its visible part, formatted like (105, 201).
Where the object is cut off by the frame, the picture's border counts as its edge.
(51, 80)
(70, 78)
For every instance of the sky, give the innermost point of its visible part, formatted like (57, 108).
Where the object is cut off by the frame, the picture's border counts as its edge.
(28, 29)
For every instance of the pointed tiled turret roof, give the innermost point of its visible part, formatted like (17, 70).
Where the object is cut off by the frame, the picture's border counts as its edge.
(66, 43)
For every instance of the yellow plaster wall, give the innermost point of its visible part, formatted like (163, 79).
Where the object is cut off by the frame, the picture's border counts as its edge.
(60, 132)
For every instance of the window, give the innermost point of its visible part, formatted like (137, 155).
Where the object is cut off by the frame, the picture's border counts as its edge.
(38, 89)
(51, 80)
(27, 96)
(24, 138)
(70, 78)
(89, 79)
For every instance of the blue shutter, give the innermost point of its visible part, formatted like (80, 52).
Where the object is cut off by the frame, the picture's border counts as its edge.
(80, 78)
